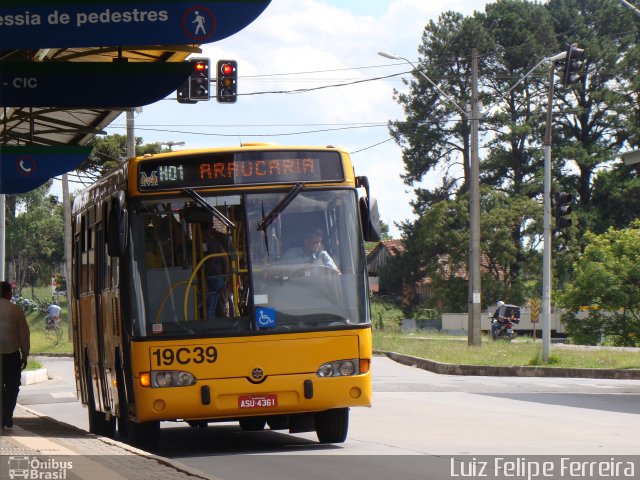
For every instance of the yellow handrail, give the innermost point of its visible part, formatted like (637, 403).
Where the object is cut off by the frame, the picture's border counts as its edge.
(166, 297)
(195, 270)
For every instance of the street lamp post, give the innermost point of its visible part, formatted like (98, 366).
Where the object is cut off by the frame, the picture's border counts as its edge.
(475, 310)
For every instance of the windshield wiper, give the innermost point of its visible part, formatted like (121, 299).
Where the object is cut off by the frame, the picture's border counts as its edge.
(210, 208)
(279, 208)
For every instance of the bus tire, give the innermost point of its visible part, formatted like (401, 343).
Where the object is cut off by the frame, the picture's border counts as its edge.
(145, 435)
(278, 422)
(332, 425)
(252, 424)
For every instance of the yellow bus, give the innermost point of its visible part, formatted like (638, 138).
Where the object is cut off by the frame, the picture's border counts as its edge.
(224, 284)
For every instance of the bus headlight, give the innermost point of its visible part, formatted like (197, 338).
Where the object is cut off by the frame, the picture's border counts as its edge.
(339, 368)
(171, 378)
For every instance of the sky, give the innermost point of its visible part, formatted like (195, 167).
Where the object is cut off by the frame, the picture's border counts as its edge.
(302, 44)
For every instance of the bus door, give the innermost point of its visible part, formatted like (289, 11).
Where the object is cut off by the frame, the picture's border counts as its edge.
(103, 337)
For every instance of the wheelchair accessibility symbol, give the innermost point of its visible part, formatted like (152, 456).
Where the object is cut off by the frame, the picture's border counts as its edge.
(265, 317)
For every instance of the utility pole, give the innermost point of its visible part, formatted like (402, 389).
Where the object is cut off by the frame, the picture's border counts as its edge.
(66, 210)
(131, 139)
(475, 306)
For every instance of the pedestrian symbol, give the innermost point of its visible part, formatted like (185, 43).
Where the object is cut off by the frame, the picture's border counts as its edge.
(199, 23)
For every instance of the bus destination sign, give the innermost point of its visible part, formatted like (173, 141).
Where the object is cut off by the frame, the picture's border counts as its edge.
(246, 168)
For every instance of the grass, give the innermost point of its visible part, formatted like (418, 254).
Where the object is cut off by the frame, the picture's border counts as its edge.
(33, 364)
(430, 345)
(520, 352)
(39, 342)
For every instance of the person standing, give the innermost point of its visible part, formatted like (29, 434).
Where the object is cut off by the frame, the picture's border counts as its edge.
(14, 347)
(217, 270)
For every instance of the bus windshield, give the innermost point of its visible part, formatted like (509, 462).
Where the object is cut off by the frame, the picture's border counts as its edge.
(194, 274)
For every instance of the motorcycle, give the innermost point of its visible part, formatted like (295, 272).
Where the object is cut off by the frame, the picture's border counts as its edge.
(52, 327)
(502, 324)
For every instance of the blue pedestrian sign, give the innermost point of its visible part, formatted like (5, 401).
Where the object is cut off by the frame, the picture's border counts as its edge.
(96, 23)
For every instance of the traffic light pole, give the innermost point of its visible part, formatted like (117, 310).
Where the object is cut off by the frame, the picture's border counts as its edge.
(546, 220)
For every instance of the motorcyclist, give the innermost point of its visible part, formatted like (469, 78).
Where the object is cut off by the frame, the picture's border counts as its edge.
(53, 316)
(495, 319)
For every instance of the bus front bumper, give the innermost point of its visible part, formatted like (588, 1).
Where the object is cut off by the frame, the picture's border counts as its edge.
(219, 399)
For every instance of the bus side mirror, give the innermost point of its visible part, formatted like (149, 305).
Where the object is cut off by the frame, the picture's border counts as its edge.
(370, 219)
(369, 216)
(117, 232)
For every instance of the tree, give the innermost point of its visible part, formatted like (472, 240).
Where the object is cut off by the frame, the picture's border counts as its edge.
(34, 241)
(593, 119)
(615, 199)
(108, 152)
(523, 34)
(435, 133)
(34, 221)
(607, 277)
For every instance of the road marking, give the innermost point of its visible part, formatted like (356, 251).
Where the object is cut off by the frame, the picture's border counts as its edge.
(63, 395)
(595, 385)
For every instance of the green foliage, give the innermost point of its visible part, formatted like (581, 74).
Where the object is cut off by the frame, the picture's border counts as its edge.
(61, 282)
(583, 330)
(622, 330)
(40, 343)
(537, 361)
(385, 314)
(34, 221)
(33, 364)
(34, 236)
(593, 120)
(111, 150)
(607, 276)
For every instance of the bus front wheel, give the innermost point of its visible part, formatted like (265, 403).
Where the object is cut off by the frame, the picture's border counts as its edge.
(332, 425)
(145, 435)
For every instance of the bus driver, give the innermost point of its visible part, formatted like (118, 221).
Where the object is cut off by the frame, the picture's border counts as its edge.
(311, 251)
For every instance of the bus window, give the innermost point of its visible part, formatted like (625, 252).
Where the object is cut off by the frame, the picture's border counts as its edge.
(317, 279)
(178, 289)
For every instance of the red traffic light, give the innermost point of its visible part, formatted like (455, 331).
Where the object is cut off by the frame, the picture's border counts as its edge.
(200, 66)
(227, 81)
(227, 69)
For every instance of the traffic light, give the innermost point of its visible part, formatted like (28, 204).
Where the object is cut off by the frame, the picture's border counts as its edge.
(562, 209)
(199, 79)
(183, 93)
(572, 64)
(196, 87)
(227, 81)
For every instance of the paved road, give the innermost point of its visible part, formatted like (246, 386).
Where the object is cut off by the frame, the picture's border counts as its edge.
(418, 415)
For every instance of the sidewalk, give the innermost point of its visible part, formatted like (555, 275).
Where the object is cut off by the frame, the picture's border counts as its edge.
(41, 447)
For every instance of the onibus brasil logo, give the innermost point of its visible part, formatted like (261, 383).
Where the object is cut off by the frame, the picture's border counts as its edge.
(38, 469)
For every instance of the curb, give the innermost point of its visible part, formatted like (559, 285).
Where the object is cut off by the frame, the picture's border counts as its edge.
(30, 377)
(492, 371)
(170, 463)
